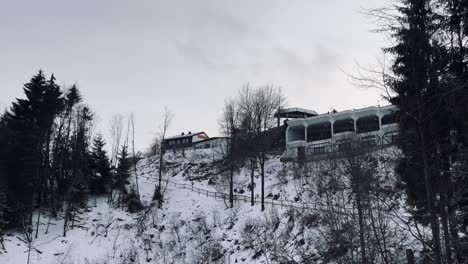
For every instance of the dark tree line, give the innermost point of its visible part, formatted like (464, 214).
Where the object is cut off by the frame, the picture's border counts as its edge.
(49, 161)
(430, 85)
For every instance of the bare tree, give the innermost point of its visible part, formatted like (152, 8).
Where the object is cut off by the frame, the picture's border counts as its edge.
(155, 147)
(373, 77)
(229, 123)
(134, 157)
(167, 121)
(115, 130)
(257, 107)
(245, 101)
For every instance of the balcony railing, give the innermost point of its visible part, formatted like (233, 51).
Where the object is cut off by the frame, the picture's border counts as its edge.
(364, 142)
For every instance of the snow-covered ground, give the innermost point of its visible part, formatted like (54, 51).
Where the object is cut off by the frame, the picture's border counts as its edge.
(190, 227)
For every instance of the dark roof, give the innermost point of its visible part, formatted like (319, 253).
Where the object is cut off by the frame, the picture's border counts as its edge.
(212, 138)
(184, 136)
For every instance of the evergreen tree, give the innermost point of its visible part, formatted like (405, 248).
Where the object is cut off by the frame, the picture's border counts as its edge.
(100, 167)
(28, 125)
(454, 209)
(3, 190)
(61, 151)
(4, 208)
(78, 181)
(133, 202)
(421, 89)
(122, 175)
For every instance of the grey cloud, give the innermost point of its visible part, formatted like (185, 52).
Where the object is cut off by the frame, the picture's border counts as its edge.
(181, 49)
(325, 58)
(318, 62)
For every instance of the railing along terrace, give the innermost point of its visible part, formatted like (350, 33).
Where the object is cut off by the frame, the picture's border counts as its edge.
(390, 138)
(363, 142)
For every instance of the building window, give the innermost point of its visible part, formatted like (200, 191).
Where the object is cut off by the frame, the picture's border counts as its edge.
(389, 119)
(344, 125)
(296, 133)
(320, 131)
(367, 124)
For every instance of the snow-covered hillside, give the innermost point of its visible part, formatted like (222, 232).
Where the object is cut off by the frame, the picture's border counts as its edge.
(193, 227)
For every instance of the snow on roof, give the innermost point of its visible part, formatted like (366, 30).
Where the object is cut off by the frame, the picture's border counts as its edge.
(296, 110)
(346, 114)
(185, 135)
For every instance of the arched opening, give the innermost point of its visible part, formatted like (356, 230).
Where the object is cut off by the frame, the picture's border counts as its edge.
(367, 124)
(319, 131)
(296, 133)
(344, 125)
(389, 119)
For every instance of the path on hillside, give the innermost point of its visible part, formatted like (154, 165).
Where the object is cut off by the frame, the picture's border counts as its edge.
(241, 197)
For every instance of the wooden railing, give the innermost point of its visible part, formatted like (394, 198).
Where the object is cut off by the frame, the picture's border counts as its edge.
(243, 198)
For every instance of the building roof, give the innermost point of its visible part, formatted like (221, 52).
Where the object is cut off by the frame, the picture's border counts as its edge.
(295, 112)
(185, 135)
(211, 138)
(361, 112)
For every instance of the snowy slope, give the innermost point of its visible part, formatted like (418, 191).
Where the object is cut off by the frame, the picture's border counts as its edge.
(191, 227)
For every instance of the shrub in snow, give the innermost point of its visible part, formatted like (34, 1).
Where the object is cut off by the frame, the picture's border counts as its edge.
(157, 195)
(133, 202)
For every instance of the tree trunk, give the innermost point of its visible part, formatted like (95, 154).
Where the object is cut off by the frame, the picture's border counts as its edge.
(445, 227)
(65, 221)
(361, 229)
(160, 176)
(453, 226)
(136, 176)
(379, 240)
(430, 200)
(409, 256)
(252, 189)
(44, 175)
(231, 188)
(262, 168)
(41, 198)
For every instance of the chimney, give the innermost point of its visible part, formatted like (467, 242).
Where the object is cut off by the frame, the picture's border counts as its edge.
(182, 133)
(190, 132)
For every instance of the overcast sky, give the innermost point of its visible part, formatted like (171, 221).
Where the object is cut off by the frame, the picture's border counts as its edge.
(137, 56)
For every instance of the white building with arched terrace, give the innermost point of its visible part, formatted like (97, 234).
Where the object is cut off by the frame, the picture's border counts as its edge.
(329, 133)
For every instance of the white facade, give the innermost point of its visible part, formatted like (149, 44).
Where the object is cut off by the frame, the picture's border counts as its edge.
(326, 133)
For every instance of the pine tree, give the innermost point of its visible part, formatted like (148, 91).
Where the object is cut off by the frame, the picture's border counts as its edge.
(100, 167)
(28, 124)
(4, 208)
(454, 200)
(133, 201)
(122, 175)
(78, 180)
(418, 61)
(3, 188)
(61, 151)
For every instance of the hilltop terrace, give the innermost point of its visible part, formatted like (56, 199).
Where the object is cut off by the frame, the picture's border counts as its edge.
(332, 132)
